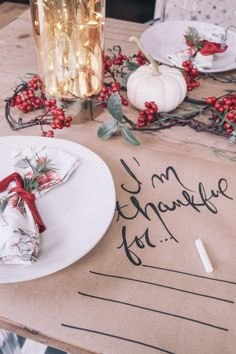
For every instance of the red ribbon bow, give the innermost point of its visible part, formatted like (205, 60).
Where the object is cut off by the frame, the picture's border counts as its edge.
(205, 47)
(27, 197)
(209, 48)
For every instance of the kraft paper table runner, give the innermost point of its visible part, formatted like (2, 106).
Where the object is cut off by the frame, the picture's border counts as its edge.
(143, 288)
(167, 303)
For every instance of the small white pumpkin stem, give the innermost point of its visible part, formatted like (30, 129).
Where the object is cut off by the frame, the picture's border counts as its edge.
(155, 66)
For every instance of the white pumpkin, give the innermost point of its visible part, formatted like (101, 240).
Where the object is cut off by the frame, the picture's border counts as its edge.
(162, 84)
(167, 89)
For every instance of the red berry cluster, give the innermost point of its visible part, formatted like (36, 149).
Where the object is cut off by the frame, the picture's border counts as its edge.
(35, 83)
(148, 115)
(106, 92)
(191, 75)
(49, 133)
(140, 58)
(117, 60)
(31, 98)
(59, 119)
(225, 108)
(26, 100)
(107, 64)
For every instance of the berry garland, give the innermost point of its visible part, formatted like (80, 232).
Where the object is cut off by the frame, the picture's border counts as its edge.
(28, 97)
(191, 75)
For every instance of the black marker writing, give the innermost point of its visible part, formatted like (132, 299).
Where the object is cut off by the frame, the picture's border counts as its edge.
(155, 211)
(140, 242)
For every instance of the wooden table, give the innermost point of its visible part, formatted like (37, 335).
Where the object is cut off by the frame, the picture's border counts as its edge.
(10, 11)
(38, 308)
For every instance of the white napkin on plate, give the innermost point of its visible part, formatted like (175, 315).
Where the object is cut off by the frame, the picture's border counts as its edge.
(40, 169)
(201, 62)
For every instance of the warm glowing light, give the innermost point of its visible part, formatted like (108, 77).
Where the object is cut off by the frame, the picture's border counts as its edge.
(59, 26)
(69, 38)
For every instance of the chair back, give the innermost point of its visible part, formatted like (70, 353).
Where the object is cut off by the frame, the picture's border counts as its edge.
(219, 12)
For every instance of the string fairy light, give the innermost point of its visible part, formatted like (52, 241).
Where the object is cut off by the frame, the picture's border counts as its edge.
(69, 40)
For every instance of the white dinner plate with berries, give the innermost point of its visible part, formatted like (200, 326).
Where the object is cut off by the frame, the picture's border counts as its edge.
(167, 38)
(76, 213)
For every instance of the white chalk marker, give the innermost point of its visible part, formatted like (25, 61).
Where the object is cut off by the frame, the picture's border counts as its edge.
(203, 255)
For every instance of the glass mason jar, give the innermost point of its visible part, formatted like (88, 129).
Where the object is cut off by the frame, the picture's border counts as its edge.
(69, 37)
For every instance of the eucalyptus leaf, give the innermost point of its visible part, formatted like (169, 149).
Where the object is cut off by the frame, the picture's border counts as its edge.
(129, 137)
(231, 124)
(107, 129)
(114, 106)
(31, 74)
(125, 78)
(132, 66)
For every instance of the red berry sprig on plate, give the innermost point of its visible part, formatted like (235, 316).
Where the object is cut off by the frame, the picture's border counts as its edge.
(191, 75)
(148, 115)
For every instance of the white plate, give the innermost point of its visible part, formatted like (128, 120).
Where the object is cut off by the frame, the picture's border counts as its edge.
(163, 39)
(76, 214)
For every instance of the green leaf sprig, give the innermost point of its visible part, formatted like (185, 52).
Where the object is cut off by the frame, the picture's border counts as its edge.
(110, 127)
(40, 168)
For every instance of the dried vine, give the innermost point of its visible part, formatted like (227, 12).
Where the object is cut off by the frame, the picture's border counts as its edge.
(117, 68)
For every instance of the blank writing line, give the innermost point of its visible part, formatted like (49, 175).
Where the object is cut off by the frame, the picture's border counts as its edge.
(162, 286)
(153, 310)
(117, 337)
(193, 275)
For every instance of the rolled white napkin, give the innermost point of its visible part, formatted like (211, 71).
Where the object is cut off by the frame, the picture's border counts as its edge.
(38, 170)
